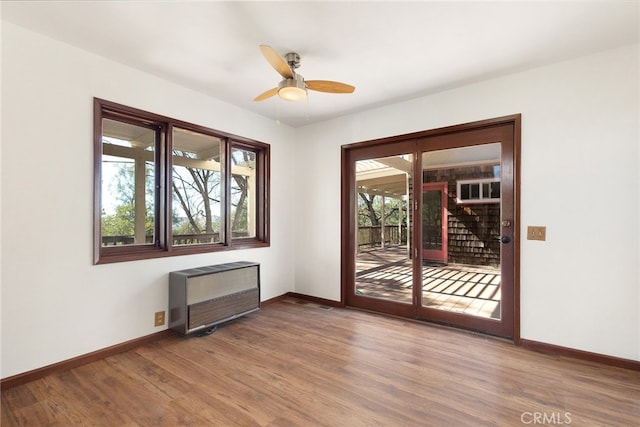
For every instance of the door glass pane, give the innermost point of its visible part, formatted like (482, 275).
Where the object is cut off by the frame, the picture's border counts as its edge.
(466, 277)
(383, 216)
(197, 188)
(128, 184)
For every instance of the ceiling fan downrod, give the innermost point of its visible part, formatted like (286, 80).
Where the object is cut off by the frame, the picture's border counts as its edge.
(293, 59)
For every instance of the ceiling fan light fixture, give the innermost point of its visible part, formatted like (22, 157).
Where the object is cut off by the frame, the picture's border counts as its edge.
(293, 89)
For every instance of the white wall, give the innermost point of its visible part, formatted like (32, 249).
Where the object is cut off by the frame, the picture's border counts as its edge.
(580, 178)
(55, 304)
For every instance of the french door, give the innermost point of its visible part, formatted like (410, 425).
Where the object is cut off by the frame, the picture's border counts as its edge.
(429, 226)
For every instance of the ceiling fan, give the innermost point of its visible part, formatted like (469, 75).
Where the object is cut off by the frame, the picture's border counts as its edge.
(293, 87)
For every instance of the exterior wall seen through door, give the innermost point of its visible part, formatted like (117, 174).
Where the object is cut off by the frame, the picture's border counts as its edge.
(473, 229)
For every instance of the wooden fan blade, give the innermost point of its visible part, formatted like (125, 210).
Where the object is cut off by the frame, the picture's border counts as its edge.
(329, 86)
(276, 61)
(267, 94)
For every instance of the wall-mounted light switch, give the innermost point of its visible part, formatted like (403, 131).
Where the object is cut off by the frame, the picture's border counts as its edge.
(158, 318)
(536, 233)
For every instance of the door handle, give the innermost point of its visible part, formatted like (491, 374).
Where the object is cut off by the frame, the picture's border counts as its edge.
(505, 239)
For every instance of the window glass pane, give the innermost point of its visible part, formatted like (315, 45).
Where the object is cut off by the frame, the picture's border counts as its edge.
(127, 187)
(197, 188)
(495, 190)
(486, 192)
(464, 192)
(243, 193)
(475, 191)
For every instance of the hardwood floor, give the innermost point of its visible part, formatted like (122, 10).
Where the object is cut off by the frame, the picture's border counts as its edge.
(295, 363)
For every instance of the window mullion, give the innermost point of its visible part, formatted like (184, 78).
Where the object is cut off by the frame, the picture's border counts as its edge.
(226, 198)
(163, 187)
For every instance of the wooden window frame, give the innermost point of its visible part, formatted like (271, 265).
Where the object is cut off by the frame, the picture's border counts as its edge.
(163, 245)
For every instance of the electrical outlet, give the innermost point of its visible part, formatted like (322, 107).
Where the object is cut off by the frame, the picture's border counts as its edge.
(158, 319)
(537, 233)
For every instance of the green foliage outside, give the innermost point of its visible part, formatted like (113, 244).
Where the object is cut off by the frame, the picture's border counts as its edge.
(122, 222)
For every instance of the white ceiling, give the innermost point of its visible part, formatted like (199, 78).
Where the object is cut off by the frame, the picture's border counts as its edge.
(391, 51)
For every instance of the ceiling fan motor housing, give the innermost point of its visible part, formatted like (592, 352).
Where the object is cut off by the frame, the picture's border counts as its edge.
(293, 59)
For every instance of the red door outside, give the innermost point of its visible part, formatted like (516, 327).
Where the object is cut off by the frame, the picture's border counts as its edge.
(434, 222)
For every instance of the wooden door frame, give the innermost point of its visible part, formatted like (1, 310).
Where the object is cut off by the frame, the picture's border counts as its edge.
(351, 154)
(407, 143)
(503, 133)
(441, 255)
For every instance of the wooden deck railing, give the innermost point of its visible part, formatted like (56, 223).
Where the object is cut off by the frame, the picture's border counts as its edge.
(178, 239)
(372, 236)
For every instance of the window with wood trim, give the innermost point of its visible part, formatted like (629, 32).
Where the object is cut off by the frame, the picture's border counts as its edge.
(164, 187)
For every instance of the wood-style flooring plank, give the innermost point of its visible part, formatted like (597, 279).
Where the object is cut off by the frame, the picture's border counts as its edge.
(300, 364)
